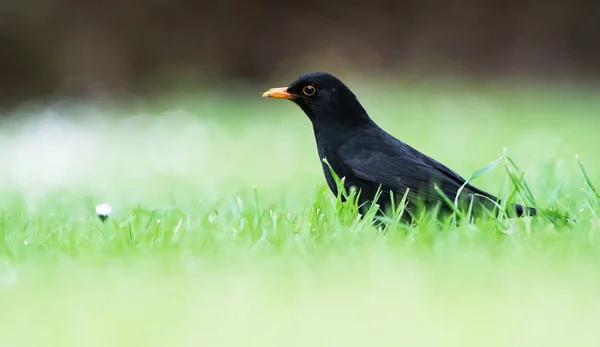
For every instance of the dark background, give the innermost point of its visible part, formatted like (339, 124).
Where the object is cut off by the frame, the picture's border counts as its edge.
(78, 47)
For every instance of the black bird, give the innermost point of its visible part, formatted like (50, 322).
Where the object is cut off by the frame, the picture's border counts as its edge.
(367, 156)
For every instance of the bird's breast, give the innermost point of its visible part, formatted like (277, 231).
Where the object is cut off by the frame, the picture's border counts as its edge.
(331, 161)
(328, 145)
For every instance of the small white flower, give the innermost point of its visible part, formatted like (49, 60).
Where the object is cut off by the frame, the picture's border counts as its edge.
(103, 209)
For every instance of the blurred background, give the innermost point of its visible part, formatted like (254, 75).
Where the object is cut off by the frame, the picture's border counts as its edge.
(142, 99)
(54, 48)
(154, 107)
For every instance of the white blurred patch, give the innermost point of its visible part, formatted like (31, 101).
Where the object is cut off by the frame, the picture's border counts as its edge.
(103, 209)
(141, 157)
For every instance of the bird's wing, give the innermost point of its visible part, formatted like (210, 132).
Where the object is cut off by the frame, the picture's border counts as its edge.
(469, 189)
(396, 167)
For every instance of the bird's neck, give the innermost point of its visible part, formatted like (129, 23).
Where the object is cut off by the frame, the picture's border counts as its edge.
(341, 122)
(333, 132)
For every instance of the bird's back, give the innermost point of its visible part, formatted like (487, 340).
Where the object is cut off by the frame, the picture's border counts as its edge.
(371, 158)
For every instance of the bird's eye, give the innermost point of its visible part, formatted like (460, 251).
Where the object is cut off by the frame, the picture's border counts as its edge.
(308, 90)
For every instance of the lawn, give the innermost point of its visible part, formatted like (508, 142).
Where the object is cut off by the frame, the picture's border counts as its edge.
(224, 234)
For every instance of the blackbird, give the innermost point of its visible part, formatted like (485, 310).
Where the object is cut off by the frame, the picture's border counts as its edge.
(369, 158)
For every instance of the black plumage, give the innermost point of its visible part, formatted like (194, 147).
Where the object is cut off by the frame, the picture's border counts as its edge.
(368, 156)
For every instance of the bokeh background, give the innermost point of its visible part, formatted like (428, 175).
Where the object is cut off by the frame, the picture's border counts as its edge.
(142, 99)
(222, 232)
(71, 47)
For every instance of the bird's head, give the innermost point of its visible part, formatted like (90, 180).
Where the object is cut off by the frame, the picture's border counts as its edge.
(323, 98)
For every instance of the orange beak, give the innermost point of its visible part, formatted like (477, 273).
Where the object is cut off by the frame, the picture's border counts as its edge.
(278, 93)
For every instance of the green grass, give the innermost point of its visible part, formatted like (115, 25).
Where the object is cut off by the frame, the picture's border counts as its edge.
(223, 232)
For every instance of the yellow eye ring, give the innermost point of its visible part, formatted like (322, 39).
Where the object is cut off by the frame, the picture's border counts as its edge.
(309, 90)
